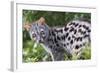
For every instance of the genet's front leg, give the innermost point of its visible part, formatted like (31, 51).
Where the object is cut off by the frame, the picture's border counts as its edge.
(48, 50)
(58, 54)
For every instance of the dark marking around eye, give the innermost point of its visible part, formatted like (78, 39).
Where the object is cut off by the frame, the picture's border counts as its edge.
(33, 35)
(42, 32)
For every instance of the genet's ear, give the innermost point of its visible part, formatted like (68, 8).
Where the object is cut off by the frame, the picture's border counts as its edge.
(27, 26)
(41, 20)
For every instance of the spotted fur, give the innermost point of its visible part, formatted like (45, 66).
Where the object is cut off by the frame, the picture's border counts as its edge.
(58, 41)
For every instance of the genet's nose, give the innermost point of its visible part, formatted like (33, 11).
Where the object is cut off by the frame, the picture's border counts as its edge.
(40, 40)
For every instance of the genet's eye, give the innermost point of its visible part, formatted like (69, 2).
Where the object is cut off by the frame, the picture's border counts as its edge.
(42, 33)
(33, 35)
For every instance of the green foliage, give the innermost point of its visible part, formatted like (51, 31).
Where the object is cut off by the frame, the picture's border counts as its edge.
(31, 54)
(52, 19)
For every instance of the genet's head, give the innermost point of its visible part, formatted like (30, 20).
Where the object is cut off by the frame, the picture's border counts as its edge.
(39, 31)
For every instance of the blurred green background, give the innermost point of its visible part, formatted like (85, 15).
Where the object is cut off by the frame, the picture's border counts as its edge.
(52, 18)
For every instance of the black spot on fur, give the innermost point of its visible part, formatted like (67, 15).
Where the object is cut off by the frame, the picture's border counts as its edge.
(89, 30)
(64, 45)
(80, 30)
(83, 44)
(55, 40)
(69, 38)
(58, 38)
(84, 32)
(80, 26)
(67, 35)
(80, 45)
(71, 23)
(79, 39)
(63, 37)
(76, 24)
(50, 39)
(57, 45)
(77, 47)
(53, 33)
(84, 26)
(50, 46)
(75, 31)
(73, 36)
(85, 36)
(61, 30)
(65, 29)
(71, 42)
(72, 29)
(67, 43)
